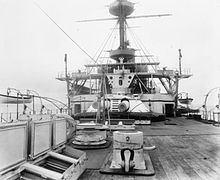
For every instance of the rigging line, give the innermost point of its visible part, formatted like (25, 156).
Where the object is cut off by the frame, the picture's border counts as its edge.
(149, 59)
(135, 37)
(138, 45)
(144, 48)
(142, 45)
(65, 33)
(135, 41)
(107, 40)
(109, 46)
(29, 108)
(111, 41)
(48, 101)
(114, 36)
(108, 113)
(51, 100)
(136, 106)
(99, 49)
(104, 43)
(142, 82)
(98, 113)
(56, 101)
(96, 60)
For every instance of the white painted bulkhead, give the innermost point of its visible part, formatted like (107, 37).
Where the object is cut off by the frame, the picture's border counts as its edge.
(157, 102)
(80, 103)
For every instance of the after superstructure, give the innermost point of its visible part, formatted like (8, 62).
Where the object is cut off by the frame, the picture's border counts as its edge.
(128, 81)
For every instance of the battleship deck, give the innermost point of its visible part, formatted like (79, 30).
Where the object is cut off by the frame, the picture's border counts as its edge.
(187, 150)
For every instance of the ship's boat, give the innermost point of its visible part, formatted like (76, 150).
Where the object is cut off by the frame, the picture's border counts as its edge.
(7, 99)
(185, 105)
(186, 100)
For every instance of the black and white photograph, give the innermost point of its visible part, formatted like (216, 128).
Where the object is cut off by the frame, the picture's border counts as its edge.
(109, 89)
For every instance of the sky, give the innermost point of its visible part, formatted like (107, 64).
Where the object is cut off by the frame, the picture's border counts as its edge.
(32, 48)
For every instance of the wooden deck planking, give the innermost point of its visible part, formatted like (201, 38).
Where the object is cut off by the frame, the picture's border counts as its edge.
(207, 148)
(211, 150)
(206, 159)
(177, 152)
(182, 149)
(160, 173)
(182, 152)
(183, 127)
(171, 165)
(195, 158)
(164, 159)
(187, 156)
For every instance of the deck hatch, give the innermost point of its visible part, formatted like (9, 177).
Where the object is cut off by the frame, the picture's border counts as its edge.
(40, 138)
(12, 136)
(59, 132)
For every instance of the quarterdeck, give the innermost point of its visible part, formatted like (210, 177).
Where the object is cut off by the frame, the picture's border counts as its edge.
(185, 149)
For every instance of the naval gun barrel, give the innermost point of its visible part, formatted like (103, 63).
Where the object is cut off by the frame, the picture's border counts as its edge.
(124, 105)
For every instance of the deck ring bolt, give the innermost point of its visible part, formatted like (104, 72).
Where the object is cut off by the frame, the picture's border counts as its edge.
(127, 138)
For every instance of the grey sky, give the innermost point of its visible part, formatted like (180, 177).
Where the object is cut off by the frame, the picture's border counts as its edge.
(32, 48)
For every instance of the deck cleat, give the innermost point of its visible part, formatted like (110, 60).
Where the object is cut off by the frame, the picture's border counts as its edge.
(120, 126)
(128, 156)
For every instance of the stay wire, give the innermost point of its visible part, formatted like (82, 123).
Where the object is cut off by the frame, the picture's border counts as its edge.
(110, 34)
(65, 33)
(96, 60)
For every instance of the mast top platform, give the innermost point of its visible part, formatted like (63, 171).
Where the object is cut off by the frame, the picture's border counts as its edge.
(121, 8)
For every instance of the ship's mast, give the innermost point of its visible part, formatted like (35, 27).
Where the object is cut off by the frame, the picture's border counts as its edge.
(67, 84)
(126, 76)
(122, 9)
(122, 32)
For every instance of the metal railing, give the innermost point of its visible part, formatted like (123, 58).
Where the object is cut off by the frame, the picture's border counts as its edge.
(12, 116)
(211, 115)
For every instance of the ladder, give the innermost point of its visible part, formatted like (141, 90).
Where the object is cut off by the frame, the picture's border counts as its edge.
(114, 105)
